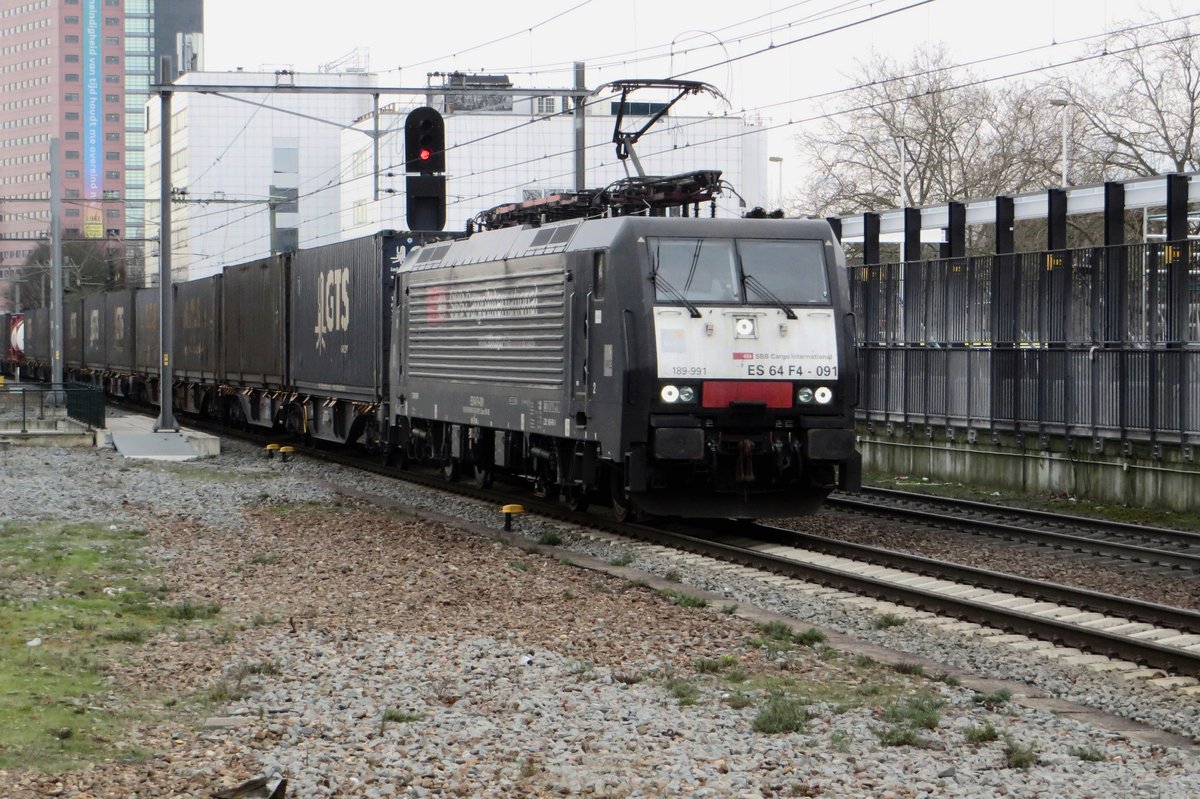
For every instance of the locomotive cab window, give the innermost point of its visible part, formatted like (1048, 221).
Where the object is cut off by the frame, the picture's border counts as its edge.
(792, 271)
(751, 271)
(701, 270)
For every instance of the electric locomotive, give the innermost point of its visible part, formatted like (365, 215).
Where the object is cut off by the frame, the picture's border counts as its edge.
(679, 366)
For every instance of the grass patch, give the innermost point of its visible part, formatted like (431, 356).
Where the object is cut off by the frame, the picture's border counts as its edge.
(674, 575)
(918, 712)
(778, 635)
(981, 733)
(682, 599)
(623, 559)
(86, 594)
(399, 716)
(519, 565)
(1089, 754)
(550, 539)
(781, 714)
(1019, 755)
(193, 611)
(628, 677)
(738, 700)
(264, 560)
(715, 665)
(890, 620)
(994, 700)
(840, 742)
(947, 679)
(684, 692)
(900, 736)
(729, 610)
(911, 669)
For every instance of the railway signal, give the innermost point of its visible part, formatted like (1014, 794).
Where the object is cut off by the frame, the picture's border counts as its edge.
(424, 161)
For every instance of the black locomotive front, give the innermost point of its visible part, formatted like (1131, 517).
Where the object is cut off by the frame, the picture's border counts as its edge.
(747, 379)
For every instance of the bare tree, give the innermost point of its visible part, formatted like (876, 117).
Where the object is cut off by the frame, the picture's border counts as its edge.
(1141, 118)
(957, 138)
(87, 269)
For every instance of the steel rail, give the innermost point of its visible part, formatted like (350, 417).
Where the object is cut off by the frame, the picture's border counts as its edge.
(1049, 629)
(1069, 541)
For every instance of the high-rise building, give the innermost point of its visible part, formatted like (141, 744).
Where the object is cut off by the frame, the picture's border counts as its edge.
(81, 70)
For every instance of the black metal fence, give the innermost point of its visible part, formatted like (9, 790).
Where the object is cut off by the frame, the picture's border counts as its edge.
(1100, 342)
(26, 407)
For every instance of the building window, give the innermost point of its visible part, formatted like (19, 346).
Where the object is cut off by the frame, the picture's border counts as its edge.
(71, 155)
(72, 2)
(112, 2)
(72, 116)
(112, 175)
(112, 136)
(71, 212)
(112, 117)
(72, 194)
(71, 38)
(71, 58)
(72, 174)
(112, 213)
(113, 40)
(71, 97)
(108, 98)
(71, 135)
(71, 20)
(112, 21)
(112, 156)
(546, 105)
(73, 232)
(72, 77)
(112, 59)
(112, 78)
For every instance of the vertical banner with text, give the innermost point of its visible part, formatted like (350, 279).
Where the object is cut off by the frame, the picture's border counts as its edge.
(93, 120)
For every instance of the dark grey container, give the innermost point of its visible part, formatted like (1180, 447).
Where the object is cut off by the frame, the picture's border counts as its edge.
(37, 335)
(197, 349)
(119, 338)
(254, 299)
(147, 346)
(94, 331)
(341, 317)
(73, 334)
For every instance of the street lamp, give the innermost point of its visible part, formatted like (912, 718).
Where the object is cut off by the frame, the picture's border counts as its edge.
(1065, 105)
(778, 159)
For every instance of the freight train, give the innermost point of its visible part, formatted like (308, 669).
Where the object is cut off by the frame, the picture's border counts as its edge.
(673, 366)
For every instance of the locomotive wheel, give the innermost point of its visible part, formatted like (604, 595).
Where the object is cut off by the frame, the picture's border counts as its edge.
(482, 477)
(450, 470)
(576, 500)
(623, 508)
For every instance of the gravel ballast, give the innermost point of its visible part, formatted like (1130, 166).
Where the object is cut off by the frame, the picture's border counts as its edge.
(374, 652)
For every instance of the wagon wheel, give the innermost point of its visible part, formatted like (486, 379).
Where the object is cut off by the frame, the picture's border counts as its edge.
(450, 469)
(482, 476)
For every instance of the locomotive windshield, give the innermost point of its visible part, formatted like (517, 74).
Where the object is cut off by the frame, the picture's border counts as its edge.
(748, 270)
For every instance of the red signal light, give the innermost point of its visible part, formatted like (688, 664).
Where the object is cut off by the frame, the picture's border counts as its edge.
(426, 154)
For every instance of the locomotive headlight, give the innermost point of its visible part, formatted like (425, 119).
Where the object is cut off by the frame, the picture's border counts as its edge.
(745, 327)
(669, 394)
(687, 394)
(805, 394)
(823, 395)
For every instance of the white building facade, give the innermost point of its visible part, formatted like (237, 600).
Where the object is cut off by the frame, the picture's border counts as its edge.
(328, 185)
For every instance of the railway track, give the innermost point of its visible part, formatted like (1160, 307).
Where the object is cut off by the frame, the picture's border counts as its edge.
(1152, 546)
(1101, 626)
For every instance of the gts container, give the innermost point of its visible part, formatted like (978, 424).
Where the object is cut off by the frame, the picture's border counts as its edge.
(340, 309)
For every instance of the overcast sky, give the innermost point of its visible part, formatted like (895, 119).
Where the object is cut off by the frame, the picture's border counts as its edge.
(535, 42)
